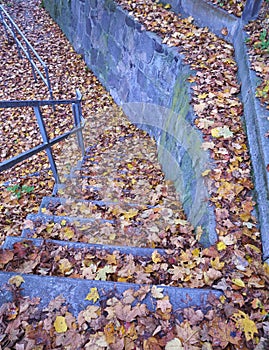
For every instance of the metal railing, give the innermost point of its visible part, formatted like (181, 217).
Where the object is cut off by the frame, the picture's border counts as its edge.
(47, 143)
(24, 46)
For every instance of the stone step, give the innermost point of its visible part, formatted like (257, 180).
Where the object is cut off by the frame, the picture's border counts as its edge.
(115, 188)
(84, 208)
(124, 250)
(101, 262)
(76, 290)
(133, 224)
(68, 228)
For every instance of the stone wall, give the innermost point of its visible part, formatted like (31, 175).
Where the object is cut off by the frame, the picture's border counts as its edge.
(149, 80)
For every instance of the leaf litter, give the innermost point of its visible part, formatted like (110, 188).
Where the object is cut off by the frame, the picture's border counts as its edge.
(233, 266)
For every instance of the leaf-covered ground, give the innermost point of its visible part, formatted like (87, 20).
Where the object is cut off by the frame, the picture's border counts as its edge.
(240, 319)
(235, 7)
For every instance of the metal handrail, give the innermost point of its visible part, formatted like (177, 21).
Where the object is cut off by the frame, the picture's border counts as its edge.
(11, 28)
(47, 144)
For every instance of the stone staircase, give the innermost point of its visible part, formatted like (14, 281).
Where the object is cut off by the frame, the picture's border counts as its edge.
(100, 230)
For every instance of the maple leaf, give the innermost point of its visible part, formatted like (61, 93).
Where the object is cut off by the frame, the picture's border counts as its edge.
(221, 246)
(93, 295)
(164, 304)
(223, 333)
(216, 264)
(157, 292)
(187, 334)
(245, 324)
(102, 273)
(91, 312)
(177, 273)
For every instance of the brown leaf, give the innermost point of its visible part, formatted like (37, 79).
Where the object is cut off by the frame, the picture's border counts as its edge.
(6, 256)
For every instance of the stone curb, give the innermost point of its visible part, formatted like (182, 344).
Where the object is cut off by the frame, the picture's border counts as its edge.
(255, 116)
(75, 291)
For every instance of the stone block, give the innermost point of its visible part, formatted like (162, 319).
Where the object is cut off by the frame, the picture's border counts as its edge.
(114, 49)
(88, 28)
(145, 46)
(117, 24)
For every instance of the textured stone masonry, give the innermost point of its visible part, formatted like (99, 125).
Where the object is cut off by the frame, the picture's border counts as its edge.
(149, 80)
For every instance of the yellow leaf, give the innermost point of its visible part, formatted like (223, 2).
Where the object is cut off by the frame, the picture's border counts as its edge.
(221, 246)
(206, 172)
(222, 299)
(93, 295)
(196, 252)
(130, 166)
(16, 280)
(215, 132)
(216, 264)
(156, 257)
(167, 6)
(266, 268)
(202, 96)
(68, 233)
(60, 324)
(238, 282)
(111, 259)
(245, 324)
(253, 247)
(130, 213)
(180, 222)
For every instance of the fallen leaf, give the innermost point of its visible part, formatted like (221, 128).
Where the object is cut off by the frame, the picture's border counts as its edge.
(6, 256)
(60, 324)
(222, 131)
(93, 295)
(174, 344)
(238, 282)
(16, 280)
(156, 257)
(245, 324)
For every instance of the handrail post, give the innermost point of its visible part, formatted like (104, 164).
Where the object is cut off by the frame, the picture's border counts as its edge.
(78, 122)
(46, 141)
(48, 82)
